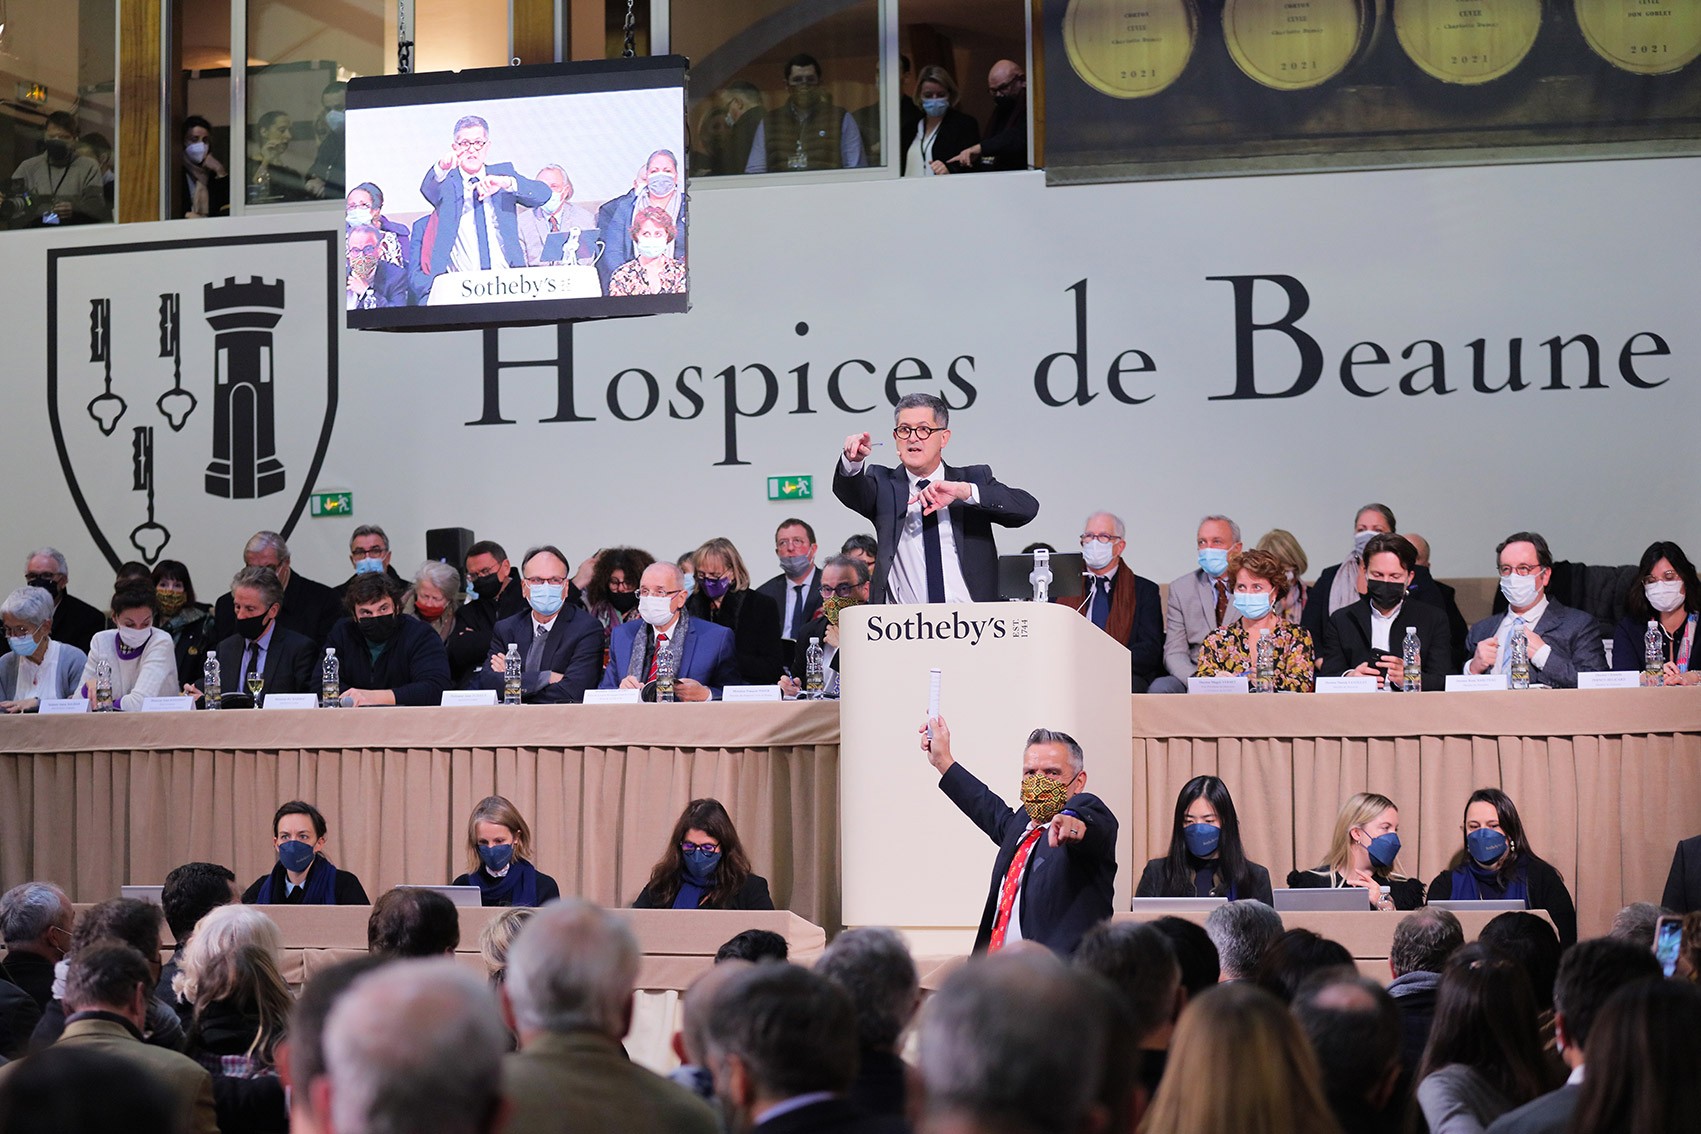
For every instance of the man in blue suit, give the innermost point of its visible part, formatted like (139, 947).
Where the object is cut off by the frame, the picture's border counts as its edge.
(1056, 865)
(477, 205)
(1563, 642)
(704, 657)
(560, 645)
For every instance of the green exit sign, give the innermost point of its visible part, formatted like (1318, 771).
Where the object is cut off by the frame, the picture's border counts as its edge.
(332, 504)
(791, 488)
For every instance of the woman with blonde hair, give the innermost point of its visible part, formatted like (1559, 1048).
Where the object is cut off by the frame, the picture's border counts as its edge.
(1363, 852)
(499, 852)
(723, 596)
(1285, 546)
(1277, 1085)
(496, 941)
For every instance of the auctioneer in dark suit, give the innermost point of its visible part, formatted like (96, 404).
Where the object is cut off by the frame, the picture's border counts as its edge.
(1067, 888)
(448, 197)
(1346, 640)
(707, 657)
(1683, 884)
(290, 663)
(573, 648)
(1573, 635)
(883, 494)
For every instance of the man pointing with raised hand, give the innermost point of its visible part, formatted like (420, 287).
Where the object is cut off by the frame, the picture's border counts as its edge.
(933, 521)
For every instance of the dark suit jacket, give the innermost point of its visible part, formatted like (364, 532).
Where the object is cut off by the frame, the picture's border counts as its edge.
(291, 663)
(1545, 1114)
(1006, 141)
(413, 664)
(753, 895)
(1546, 892)
(882, 495)
(957, 132)
(831, 1116)
(76, 623)
(1432, 590)
(1628, 645)
(19, 1014)
(755, 624)
(799, 660)
(1683, 884)
(1346, 640)
(573, 649)
(31, 972)
(346, 891)
(614, 222)
(1573, 635)
(1067, 889)
(882, 1083)
(309, 609)
(390, 284)
(473, 637)
(1152, 883)
(779, 590)
(1146, 637)
(1425, 588)
(709, 657)
(447, 196)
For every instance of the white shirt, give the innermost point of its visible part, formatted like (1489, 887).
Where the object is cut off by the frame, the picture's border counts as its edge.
(463, 257)
(809, 585)
(1538, 659)
(153, 674)
(1382, 627)
(29, 674)
(907, 581)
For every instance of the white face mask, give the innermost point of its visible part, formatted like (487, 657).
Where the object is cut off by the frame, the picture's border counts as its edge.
(1098, 554)
(360, 216)
(133, 638)
(650, 245)
(1665, 596)
(196, 152)
(657, 610)
(1520, 590)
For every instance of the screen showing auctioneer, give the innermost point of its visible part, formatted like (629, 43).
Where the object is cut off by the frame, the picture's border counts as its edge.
(517, 195)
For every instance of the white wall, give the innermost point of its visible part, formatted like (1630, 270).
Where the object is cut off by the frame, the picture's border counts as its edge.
(979, 268)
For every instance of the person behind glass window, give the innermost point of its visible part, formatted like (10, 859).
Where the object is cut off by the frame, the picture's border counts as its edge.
(809, 132)
(728, 129)
(1004, 145)
(97, 149)
(704, 866)
(1260, 578)
(1205, 857)
(270, 176)
(325, 175)
(63, 186)
(1665, 592)
(1364, 851)
(943, 130)
(204, 182)
(499, 858)
(1496, 864)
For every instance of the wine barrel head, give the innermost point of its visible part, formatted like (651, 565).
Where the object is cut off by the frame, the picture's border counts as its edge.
(1644, 37)
(1467, 41)
(1292, 45)
(1130, 48)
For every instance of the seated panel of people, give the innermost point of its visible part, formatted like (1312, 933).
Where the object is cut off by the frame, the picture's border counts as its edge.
(722, 595)
(303, 875)
(286, 661)
(1205, 857)
(705, 659)
(1562, 642)
(704, 866)
(386, 657)
(499, 858)
(35, 664)
(560, 644)
(1260, 579)
(1367, 638)
(139, 658)
(1496, 863)
(1666, 593)
(1364, 851)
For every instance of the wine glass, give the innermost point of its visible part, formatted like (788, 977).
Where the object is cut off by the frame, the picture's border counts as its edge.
(256, 682)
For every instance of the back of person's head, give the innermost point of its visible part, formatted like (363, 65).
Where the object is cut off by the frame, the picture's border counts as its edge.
(412, 922)
(1635, 923)
(573, 969)
(28, 910)
(306, 1038)
(234, 960)
(1293, 957)
(1139, 961)
(754, 945)
(1195, 951)
(1354, 1029)
(874, 967)
(130, 920)
(1424, 940)
(1243, 1031)
(193, 890)
(415, 1046)
(983, 1061)
(75, 1089)
(777, 1031)
(496, 940)
(1644, 1049)
(696, 1005)
(1485, 1018)
(1589, 974)
(1241, 931)
(1531, 943)
(105, 975)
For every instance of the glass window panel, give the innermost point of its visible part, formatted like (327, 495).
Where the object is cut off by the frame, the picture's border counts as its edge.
(57, 66)
(454, 35)
(202, 49)
(965, 39)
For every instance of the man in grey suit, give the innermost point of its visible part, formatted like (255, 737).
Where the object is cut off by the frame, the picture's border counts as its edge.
(1563, 642)
(1199, 603)
(1590, 973)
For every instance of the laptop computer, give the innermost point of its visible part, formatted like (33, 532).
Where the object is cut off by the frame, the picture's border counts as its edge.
(1066, 570)
(1485, 905)
(460, 895)
(143, 893)
(1326, 898)
(1157, 907)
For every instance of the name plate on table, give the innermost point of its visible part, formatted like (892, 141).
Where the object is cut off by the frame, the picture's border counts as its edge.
(1218, 685)
(63, 705)
(178, 704)
(1614, 679)
(613, 697)
(750, 693)
(1357, 683)
(464, 698)
(290, 701)
(1477, 682)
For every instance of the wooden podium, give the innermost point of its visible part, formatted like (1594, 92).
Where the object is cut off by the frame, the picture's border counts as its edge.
(910, 859)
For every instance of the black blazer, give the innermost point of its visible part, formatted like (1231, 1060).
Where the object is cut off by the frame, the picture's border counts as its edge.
(76, 623)
(882, 494)
(755, 624)
(1406, 892)
(1146, 637)
(309, 609)
(1433, 591)
(778, 590)
(1683, 884)
(471, 638)
(1547, 892)
(413, 665)
(1151, 884)
(1346, 640)
(799, 661)
(832, 1116)
(753, 895)
(1068, 888)
(957, 132)
(573, 649)
(290, 663)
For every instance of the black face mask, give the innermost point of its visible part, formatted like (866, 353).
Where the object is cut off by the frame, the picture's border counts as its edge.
(58, 150)
(251, 628)
(623, 601)
(46, 582)
(1384, 594)
(486, 586)
(379, 627)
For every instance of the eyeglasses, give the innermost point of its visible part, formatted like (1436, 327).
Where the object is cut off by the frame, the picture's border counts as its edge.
(374, 552)
(1008, 86)
(791, 542)
(545, 581)
(466, 144)
(485, 575)
(706, 848)
(1519, 569)
(1668, 577)
(646, 592)
(1089, 537)
(919, 432)
(17, 630)
(843, 590)
(619, 585)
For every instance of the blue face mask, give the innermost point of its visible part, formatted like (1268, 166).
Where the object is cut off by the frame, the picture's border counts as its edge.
(1384, 849)
(296, 855)
(545, 598)
(689, 582)
(334, 119)
(1213, 560)
(496, 857)
(1486, 845)
(700, 866)
(1252, 605)
(935, 107)
(368, 566)
(1202, 839)
(24, 646)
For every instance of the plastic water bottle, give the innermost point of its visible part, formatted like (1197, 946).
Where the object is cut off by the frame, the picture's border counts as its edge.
(1518, 664)
(1264, 680)
(330, 681)
(814, 675)
(513, 675)
(212, 680)
(1412, 658)
(664, 675)
(1653, 655)
(103, 688)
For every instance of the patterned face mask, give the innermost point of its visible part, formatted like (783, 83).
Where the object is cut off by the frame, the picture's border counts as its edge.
(1043, 796)
(831, 607)
(363, 263)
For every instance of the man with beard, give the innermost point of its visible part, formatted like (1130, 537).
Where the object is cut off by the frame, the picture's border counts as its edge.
(809, 131)
(1004, 145)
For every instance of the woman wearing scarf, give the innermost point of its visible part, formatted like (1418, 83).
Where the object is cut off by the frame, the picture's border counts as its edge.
(189, 623)
(303, 875)
(1496, 863)
(1343, 584)
(704, 866)
(499, 847)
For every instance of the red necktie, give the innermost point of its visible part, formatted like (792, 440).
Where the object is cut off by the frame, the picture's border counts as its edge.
(1007, 892)
(555, 223)
(661, 644)
(1222, 600)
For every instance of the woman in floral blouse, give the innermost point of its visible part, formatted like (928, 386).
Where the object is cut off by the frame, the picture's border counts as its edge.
(652, 271)
(1260, 580)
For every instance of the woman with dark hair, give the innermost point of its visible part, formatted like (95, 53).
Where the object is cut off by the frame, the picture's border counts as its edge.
(136, 655)
(189, 623)
(499, 858)
(704, 866)
(1644, 1048)
(1294, 956)
(1497, 864)
(1484, 1055)
(609, 580)
(1205, 859)
(723, 596)
(1666, 593)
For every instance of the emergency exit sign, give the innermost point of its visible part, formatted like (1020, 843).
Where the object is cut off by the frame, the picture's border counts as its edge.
(791, 488)
(331, 504)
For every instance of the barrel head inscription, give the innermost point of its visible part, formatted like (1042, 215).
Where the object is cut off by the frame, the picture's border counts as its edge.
(1130, 48)
(1467, 41)
(1293, 45)
(1644, 37)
